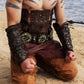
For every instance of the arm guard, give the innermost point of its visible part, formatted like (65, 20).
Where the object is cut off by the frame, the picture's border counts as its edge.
(16, 44)
(63, 33)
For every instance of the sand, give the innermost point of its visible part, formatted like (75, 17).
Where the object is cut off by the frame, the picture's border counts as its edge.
(77, 33)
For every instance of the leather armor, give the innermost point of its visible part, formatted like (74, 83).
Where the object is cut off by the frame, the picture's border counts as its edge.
(16, 43)
(63, 33)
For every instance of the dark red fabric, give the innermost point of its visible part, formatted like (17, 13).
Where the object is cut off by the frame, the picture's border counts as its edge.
(49, 56)
(48, 49)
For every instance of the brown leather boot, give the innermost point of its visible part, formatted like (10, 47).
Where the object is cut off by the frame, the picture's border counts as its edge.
(18, 77)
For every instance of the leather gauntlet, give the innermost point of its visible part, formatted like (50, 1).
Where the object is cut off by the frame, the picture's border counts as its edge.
(16, 44)
(63, 33)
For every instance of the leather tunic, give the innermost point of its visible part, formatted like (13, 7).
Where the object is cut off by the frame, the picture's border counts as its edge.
(36, 22)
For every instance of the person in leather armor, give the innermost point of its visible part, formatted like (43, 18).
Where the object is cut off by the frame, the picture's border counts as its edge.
(30, 38)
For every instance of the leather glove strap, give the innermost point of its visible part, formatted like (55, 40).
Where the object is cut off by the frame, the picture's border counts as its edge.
(63, 33)
(15, 42)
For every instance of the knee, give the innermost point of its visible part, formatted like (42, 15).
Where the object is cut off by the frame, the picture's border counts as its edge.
(24, 79)
(63, 70)
(69, 75)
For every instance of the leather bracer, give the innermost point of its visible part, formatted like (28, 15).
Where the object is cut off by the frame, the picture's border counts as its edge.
(63, 33)
(16, 44)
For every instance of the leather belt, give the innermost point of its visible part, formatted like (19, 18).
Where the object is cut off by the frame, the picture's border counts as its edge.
(29, 38)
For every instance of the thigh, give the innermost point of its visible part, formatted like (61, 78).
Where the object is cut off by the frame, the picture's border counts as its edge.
(59, 68)
(54, 62)
(53, 50)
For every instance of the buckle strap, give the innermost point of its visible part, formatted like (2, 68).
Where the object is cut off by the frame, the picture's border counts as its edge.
(27, 37)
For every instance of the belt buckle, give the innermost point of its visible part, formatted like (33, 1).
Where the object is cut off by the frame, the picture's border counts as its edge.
(26, 37)
(42, 38)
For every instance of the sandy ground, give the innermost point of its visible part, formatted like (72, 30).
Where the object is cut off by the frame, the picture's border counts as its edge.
(77, 33)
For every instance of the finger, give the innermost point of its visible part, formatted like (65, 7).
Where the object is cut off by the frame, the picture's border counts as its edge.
(30, 66)
(33, 62)
(28, 70)
(74, 58)
(68, 59)
(70, 55)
